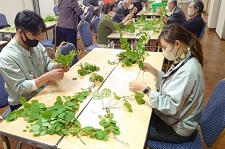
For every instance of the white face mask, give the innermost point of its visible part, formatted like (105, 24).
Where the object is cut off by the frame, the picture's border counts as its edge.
(169, 54)
(167, 8)
(190, 12)
(112, 14)
(130, 7)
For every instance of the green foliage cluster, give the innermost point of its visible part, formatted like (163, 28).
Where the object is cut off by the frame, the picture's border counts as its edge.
(131, 55)
(87, 68)
(50, 18)
(156, 25)
(96, 78)
(65, 59)
(107, 93)
(57, 119)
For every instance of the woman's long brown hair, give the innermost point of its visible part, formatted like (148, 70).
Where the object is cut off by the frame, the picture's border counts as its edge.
(175, 31)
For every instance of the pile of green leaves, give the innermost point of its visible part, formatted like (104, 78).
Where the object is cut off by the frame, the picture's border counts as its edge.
(87, 68)
(65, 59)
(57, 119)
(50, 18)
(96, 78)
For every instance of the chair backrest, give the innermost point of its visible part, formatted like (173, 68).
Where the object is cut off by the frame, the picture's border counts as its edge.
(3, 21)
(86, 2)
(91, 9)
(203, 30)
(213, 117)
(100, 9)
(95, 20)
(88, 17)
(85, 33)
(56, 10)
(3, 95)
(65, 48)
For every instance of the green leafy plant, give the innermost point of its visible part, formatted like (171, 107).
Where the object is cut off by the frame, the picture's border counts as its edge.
(50, 18)
(87, 68)
(65, 59)
(96, 78)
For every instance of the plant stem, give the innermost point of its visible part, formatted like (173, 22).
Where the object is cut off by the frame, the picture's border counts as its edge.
(115, 103)
(138, 74)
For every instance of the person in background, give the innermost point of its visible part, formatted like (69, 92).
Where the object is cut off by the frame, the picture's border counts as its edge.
(106, 24)
(177, 15)
(124, 8)
(66, 30)
(195, 23)
(24, 62)
(177, 102)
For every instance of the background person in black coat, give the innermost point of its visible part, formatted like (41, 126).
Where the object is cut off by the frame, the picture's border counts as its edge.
(177, 15)
(195, 23)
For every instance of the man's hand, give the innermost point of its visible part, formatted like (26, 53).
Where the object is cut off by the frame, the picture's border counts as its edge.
(165, 19)
(134, 10)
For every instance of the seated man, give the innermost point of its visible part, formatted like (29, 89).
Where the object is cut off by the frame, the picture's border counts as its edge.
(195, 23)
(24, 62)
(177, 15)
(123, 9)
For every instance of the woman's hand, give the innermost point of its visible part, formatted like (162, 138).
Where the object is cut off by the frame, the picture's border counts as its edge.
(137, 86)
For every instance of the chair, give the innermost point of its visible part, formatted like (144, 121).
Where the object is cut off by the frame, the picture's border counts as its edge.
(100, 9)
(212, 123)
(4, 98)
(85, 33)
(65, 48)
(95, 20)
(91, 9)
(56, 10)
(50, 44)
(203, 30)
(88, 18)
(3, 21)
(86, 2)
(3, 24)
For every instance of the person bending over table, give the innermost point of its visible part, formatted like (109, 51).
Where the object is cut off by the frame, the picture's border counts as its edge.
(106, 24)
(177, 14)
(177, 102)
(24, 62)
(123, 9)
(195, 23)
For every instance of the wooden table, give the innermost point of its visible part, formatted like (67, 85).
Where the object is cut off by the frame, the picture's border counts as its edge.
(3, 43)
(12, 30)
(133, 125)
(147, 13)
(116, 79)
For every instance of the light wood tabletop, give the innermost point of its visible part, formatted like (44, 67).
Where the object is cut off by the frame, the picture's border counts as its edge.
(3, 43)
(116, 79)
(148, 13)
(133, 125)
(12, 30)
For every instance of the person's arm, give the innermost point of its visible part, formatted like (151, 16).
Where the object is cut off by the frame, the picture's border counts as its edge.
(76, 7)
(174, 92)
(177, 17)
(120, 14)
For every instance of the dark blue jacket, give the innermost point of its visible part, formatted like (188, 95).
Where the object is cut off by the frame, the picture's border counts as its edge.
(177, 16)
(195, 25)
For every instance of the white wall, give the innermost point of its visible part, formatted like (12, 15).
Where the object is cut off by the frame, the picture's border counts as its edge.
(11, 7)
(220, 27)
(205, 4)
(46, 7)
(213, 13)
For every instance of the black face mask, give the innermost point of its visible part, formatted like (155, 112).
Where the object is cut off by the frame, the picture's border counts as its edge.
(29, 42)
